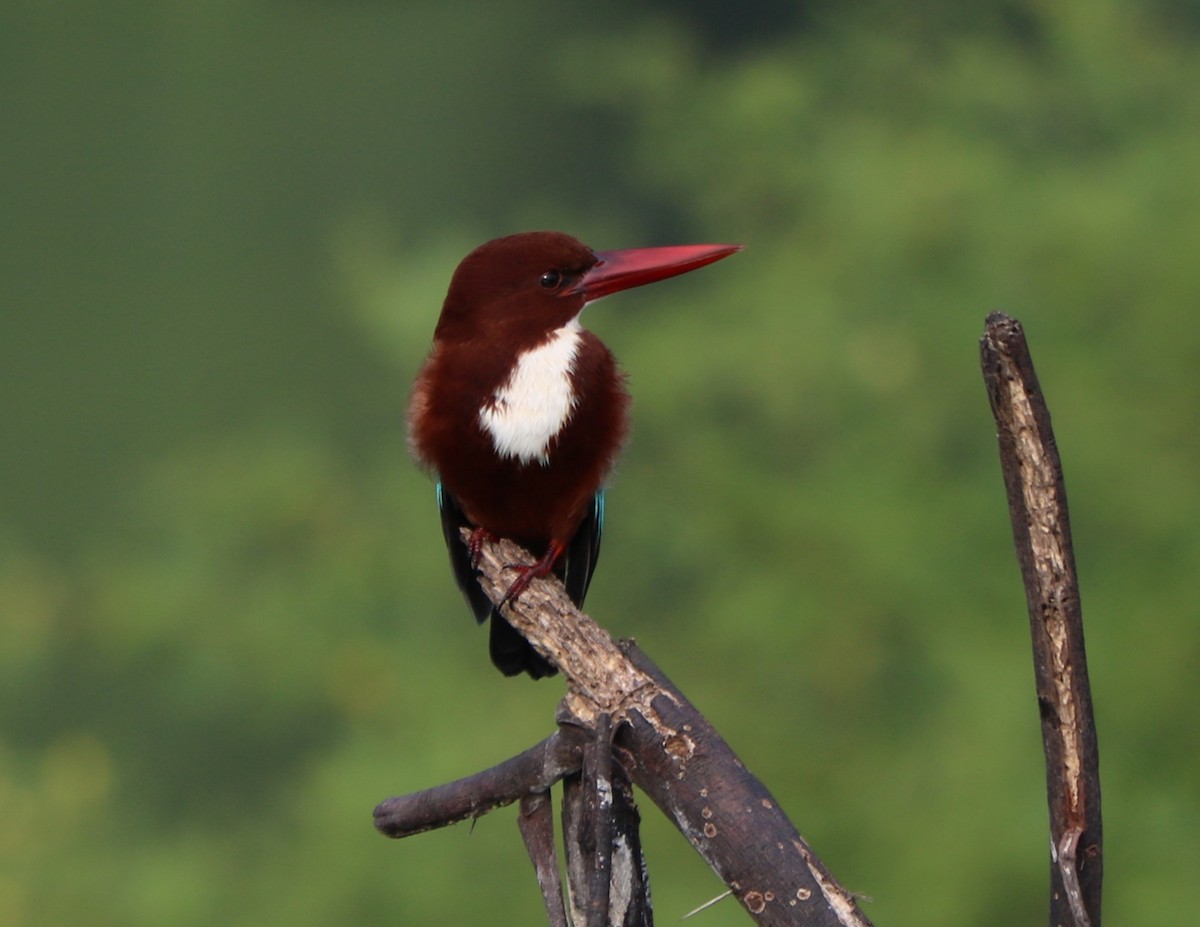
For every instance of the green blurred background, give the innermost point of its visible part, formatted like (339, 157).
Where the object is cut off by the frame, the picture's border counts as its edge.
(227, 628)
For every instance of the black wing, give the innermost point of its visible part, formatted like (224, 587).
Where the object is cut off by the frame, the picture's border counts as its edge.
(578, 563)
(453, 521)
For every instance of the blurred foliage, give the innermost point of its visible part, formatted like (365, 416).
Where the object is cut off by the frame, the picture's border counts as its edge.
(227, 625)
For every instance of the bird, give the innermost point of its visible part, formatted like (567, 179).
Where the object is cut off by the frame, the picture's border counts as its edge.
(520, 413)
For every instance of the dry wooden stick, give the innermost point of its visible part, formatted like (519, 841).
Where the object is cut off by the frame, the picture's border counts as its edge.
(536, 821)
(528, 773)
(1037, 504)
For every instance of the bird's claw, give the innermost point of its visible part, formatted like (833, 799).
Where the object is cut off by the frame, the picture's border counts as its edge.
(478, 538)
(526, 575)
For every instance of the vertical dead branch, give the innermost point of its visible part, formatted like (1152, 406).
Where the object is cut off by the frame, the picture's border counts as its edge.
(606, 871)
(630, 897)
(536, 821)
(1037, 504)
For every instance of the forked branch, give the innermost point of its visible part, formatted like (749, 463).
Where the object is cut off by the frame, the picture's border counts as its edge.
(661, 743)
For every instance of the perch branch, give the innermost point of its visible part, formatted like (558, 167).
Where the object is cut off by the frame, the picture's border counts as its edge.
(674, 755)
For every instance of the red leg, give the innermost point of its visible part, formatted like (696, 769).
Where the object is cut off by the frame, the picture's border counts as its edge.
(475, 545)
(527, 574)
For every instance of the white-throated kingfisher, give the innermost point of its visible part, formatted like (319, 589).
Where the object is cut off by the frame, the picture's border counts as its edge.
(521, 413)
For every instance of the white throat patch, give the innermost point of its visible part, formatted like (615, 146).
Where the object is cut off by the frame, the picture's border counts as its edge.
(534, 403)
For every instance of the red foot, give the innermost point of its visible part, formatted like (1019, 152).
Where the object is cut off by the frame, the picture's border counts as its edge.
(475, 545)
(527, 574)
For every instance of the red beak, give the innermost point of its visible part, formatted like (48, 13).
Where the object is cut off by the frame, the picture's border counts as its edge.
(621, 270)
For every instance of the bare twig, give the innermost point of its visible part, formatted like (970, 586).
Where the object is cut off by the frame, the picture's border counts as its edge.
(708, 904)
(1041, 530)
(536, 822)
(528, 773)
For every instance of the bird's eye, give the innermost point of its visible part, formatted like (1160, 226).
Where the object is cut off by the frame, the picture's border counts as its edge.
(551, 280)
